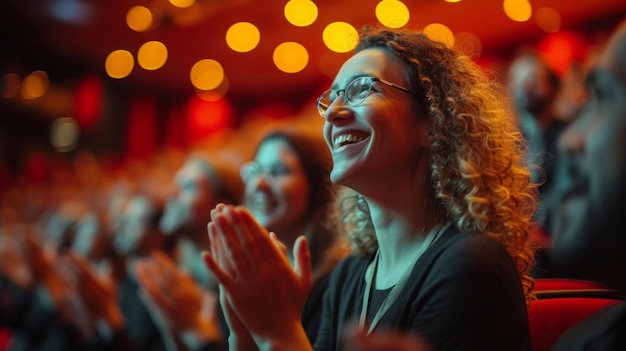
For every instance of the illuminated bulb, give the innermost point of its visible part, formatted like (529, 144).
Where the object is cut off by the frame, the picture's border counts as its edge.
(518, 10)
(243, 37)
(340, 37)
(206, 74)
(301, 13)
(392, 13)
(119, 64)
(291, 57)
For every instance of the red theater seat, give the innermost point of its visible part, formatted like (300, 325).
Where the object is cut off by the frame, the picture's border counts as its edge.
(565, 284)
(549, 318)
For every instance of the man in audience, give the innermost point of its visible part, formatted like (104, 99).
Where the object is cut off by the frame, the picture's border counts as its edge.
(533, 86)
(589, 232)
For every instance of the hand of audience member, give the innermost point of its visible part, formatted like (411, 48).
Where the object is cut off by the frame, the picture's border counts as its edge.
(13, 263)
(355, 339)
(177, 303)
(43, 264)
(258, 281)
(98, 291)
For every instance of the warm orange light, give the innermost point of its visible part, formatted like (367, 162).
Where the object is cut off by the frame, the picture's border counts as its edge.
(35, 85)
(119, 64)
(392, 13)
(152, 55)
(301, 13)
(182, 3)
(518, 10)
(340, 37)
(139, 18)
(291, 57)
(206, 74)
(439, 32)
(243, 37)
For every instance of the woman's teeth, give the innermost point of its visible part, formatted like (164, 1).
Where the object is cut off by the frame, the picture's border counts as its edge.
(345, 139)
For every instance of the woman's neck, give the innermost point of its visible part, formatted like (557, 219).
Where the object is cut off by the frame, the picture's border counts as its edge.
(400, 233)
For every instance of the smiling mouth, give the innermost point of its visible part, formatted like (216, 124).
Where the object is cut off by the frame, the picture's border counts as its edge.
(346, 139)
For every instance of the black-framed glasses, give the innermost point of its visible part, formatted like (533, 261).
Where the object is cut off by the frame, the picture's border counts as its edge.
(355, 92)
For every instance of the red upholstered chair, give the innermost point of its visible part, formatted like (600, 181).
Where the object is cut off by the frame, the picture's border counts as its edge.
(550, 317)
(565, 284)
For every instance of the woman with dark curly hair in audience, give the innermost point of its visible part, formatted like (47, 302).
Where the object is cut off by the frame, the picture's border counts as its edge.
(441, 215)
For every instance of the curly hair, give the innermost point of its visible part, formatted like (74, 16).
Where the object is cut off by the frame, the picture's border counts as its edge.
(478, 178)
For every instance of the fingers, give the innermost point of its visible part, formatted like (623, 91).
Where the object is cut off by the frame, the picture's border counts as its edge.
(232, 240)
(258, 240)
(302, 258)
(279, 245)
(222, 277)
(355, 339)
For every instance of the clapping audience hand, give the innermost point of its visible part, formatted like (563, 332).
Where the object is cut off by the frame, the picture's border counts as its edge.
(356, 339)
(13, 262)
(256, 276)
(98, 290)
(177, 303)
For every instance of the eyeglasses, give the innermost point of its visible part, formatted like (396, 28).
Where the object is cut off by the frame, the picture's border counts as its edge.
(251, 170)
(355, 92)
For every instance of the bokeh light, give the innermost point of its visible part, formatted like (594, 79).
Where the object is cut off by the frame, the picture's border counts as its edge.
(392, 13)
(243, 37)
(214, 94)
(182, 3)
(340, 37)
(64, 133)
(301, 13)
(152, 55)
(35, 85)
(139, 18)
(441, 33)
(291, 57)
(119, 64)
(206, 74)
(518, 10)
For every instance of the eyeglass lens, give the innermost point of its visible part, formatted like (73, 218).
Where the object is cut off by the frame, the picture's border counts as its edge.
(354, 93)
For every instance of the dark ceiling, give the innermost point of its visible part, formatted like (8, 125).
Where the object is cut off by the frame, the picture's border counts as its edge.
(33, 36)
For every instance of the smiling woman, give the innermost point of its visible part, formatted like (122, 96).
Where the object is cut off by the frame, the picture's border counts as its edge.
(442, 204)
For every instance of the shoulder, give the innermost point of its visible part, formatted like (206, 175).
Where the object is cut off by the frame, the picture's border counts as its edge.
(462, 257)
(470, 246)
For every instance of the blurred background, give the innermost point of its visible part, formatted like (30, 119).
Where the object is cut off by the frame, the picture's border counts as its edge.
(122, 81)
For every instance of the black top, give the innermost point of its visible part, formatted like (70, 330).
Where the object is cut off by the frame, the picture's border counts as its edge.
(464, 293)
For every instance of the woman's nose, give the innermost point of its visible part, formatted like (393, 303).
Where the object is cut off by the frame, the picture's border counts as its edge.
(337, 110)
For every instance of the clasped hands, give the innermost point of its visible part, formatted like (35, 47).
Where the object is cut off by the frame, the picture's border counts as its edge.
(261, 293)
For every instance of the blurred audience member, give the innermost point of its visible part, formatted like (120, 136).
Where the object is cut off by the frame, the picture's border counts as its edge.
(533, 86)
(588, 231)
(200, 184)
